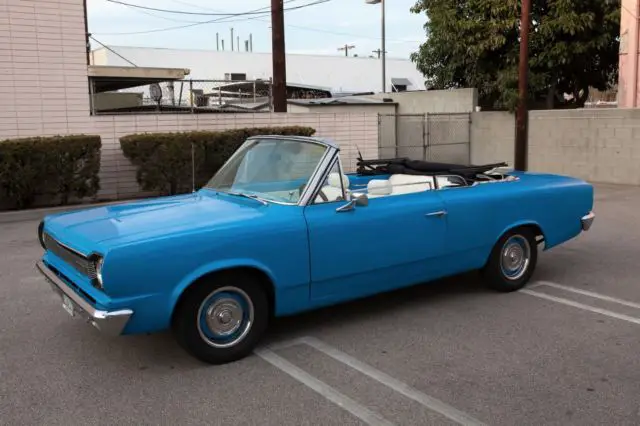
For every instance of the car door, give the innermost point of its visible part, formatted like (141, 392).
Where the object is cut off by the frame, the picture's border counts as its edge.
(393, 242)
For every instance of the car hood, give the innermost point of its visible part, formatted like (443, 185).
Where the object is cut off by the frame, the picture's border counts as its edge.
(102, 227)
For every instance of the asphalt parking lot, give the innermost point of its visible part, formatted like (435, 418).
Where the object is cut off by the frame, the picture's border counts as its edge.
(564, 351)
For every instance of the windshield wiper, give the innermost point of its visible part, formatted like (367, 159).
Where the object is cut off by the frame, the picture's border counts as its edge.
(250, 196)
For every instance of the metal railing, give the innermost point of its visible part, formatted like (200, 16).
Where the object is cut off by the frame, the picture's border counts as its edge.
(123, 96)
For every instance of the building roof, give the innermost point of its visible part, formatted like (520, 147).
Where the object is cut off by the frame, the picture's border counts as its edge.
(337, 73)
(346, 100)
(108, 78)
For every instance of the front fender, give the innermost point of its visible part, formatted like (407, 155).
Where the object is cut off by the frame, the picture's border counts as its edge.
(212, 267)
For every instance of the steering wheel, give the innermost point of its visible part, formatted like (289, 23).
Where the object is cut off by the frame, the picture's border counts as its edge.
(321, 193)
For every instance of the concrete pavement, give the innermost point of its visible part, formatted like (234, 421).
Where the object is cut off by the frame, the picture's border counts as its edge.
(562, 352)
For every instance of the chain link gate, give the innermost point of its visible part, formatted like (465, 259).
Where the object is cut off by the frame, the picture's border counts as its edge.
(441, 137)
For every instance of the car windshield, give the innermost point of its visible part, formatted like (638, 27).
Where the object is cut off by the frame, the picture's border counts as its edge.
(269, 169)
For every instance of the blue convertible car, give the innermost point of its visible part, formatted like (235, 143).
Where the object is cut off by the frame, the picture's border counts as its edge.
(281, 229)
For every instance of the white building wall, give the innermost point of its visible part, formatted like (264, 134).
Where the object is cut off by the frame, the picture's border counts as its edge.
(338, 73)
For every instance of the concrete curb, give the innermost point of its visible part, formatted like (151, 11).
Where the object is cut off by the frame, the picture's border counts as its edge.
(39, 214)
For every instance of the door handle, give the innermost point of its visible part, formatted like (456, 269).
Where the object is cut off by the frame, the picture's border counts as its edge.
(440, 213)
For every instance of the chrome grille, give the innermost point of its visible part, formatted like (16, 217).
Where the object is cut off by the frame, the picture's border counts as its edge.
(77, 261)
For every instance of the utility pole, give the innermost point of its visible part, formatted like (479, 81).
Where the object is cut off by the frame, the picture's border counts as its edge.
(522, 115)
(378, 52)
(279, 86)
(384, 49)
(346, 48)
(86, 33)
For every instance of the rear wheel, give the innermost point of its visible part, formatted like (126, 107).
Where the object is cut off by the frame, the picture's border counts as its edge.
(222, 319)
(513, 261)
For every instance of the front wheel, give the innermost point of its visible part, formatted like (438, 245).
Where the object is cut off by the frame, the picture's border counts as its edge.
(513, 261)
(222, 319)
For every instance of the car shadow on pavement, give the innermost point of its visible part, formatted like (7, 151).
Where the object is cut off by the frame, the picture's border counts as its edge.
(385, 304)
(159, 351)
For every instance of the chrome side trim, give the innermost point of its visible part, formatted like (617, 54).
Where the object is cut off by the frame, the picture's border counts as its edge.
(587, 221)
(440, 213)
(109, 322)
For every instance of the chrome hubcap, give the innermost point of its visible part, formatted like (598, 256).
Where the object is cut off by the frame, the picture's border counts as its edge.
(516, 255)
(225, 317)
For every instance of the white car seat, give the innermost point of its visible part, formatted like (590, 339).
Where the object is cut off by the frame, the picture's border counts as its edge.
(379, 188)
(407, 184)
(333, 189)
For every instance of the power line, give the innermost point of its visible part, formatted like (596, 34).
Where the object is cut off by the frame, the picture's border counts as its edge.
(222, 20)
(153, 15)
(256, 18)
(111, 50)
(183, 12)
(179, 27)
(259, 11)
(197, 6)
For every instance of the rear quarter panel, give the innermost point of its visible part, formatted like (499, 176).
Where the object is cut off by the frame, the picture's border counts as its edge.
(480, 215)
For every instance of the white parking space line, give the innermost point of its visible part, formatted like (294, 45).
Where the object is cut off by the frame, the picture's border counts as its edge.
(587, 293)
(395, 384)
(578, 305)
(333, 395)
(358, 410)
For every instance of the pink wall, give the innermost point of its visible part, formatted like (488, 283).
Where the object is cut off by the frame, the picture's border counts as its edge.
(628, 80)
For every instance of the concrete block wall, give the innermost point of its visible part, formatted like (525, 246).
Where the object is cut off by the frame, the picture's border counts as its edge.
(433, 101)
(598, 145)
(492, 137)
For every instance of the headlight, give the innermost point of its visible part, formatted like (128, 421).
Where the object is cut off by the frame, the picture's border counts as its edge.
(97, 282)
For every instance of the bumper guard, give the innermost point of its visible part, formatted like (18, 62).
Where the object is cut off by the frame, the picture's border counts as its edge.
(111, 323)
(587, 221)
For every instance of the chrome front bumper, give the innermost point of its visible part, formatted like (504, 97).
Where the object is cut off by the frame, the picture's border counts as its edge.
(587, 221)
(110, 323)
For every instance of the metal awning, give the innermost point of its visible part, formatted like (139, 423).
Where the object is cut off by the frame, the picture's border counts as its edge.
(110, 78)
(401, 82)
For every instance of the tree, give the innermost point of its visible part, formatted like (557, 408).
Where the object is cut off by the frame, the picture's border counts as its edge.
(475, 43)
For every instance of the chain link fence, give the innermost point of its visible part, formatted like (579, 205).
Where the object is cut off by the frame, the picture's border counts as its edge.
(122, 96)
(442, 137)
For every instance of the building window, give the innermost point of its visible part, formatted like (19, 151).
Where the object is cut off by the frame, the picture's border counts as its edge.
(233, 76)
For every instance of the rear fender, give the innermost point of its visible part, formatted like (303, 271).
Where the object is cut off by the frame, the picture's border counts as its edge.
(515, 225)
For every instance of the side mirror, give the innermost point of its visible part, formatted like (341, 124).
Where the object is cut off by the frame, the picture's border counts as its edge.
(360, 200)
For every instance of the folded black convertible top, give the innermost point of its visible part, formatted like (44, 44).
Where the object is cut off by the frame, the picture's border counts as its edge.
(419, 167)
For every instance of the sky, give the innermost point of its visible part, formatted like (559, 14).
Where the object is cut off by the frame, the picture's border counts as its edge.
(319, 29)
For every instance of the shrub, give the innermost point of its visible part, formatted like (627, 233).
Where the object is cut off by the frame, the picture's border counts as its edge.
(58, 166)
(166, 162)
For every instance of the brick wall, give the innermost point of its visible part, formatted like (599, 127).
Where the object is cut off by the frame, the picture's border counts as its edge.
(118, 175)
(44, 91)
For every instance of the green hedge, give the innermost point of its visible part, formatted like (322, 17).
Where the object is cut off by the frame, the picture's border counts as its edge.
(56, 166)
(164, 160)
